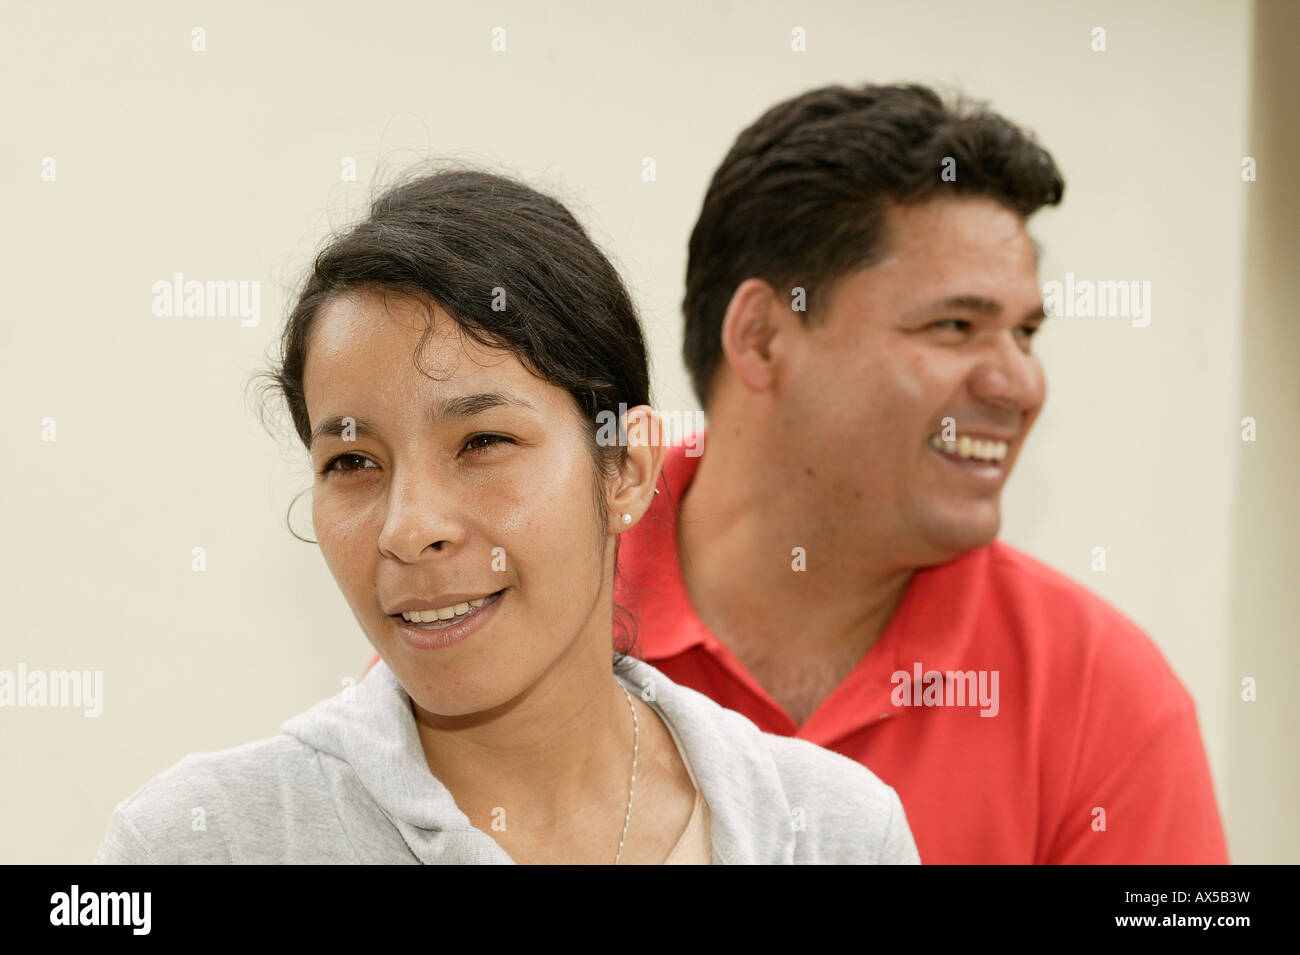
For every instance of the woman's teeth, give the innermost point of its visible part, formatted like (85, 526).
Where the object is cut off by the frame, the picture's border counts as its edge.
(968, 447)
(450, 615)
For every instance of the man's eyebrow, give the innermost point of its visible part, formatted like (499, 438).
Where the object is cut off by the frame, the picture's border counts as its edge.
(971, 303)
(460, 406)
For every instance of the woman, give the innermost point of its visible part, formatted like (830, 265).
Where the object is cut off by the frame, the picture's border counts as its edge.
(447, 366)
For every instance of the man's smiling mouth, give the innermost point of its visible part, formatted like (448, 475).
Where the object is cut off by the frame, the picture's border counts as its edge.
(991, 450)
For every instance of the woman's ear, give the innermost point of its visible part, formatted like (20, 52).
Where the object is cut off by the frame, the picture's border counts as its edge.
(645, 457)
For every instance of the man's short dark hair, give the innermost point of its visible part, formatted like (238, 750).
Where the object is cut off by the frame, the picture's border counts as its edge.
(801, 199)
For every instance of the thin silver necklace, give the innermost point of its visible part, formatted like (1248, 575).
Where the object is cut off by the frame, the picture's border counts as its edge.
(636, 745)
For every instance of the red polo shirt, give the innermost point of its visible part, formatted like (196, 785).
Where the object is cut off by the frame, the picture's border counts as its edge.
(1092, 755)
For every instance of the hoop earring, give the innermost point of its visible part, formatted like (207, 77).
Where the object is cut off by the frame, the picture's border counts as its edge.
(289, 514)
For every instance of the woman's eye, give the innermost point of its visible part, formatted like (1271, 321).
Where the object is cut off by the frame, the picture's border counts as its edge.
(350, 456)
(476, 443)
(351, 461)
(1029, 331)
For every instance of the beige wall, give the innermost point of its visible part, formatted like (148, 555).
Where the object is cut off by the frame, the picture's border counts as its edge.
(1263, 786)
(226, 165)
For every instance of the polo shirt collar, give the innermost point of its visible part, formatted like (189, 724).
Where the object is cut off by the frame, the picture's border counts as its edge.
(934, 623)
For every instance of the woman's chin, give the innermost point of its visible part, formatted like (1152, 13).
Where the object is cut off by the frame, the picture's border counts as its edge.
(448, 691)
(453, 706)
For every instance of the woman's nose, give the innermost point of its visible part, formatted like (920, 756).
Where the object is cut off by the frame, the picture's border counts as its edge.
(421, 513)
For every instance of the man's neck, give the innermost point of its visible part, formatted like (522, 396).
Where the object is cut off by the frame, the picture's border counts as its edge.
(770, 571)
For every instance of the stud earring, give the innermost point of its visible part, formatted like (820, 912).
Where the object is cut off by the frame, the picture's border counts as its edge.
(627, 518)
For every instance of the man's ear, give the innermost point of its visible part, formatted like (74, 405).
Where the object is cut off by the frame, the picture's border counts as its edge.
(748, 330)
(635, 486)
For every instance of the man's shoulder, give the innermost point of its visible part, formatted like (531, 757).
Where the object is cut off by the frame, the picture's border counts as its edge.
(1012, 569)
(1026, 586)
(1060, 626)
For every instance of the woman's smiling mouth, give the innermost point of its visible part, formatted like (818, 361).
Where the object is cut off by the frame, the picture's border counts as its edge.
(441, 617)
(431, 630)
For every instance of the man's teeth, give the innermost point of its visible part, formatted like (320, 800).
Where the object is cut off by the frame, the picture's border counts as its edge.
(442, 613)
(968, 447)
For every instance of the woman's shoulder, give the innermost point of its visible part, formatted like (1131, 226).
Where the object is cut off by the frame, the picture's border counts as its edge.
(836, 809)
(216, 807)
(839, 810)
(834, 799)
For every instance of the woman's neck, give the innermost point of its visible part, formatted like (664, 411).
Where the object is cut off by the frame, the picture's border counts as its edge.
(560, 749)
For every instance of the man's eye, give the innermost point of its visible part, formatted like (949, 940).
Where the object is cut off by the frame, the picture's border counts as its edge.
(474, 443)
(349, 456)
(1028, 331)
(954, 323)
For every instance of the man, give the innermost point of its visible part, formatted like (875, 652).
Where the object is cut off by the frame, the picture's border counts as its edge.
(861, 296)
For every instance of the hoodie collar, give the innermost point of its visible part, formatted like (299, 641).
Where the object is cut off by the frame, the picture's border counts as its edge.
(372, 729)
(726, 754)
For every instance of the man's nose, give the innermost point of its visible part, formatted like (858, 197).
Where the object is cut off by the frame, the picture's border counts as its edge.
(1009, 377)
(421, 512)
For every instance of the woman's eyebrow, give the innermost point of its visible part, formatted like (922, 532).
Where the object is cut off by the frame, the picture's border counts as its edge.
(465, 406)
(459, 406)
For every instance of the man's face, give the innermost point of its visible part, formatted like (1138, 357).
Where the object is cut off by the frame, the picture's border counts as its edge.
(939, 329)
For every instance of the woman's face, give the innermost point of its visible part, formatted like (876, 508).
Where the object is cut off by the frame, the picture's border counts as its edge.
(452, 490)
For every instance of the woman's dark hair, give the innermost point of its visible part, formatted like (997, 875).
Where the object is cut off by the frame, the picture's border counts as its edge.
(801, 198)
(516, 271)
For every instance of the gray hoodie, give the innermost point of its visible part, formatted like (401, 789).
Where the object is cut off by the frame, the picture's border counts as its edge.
(347, 782)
